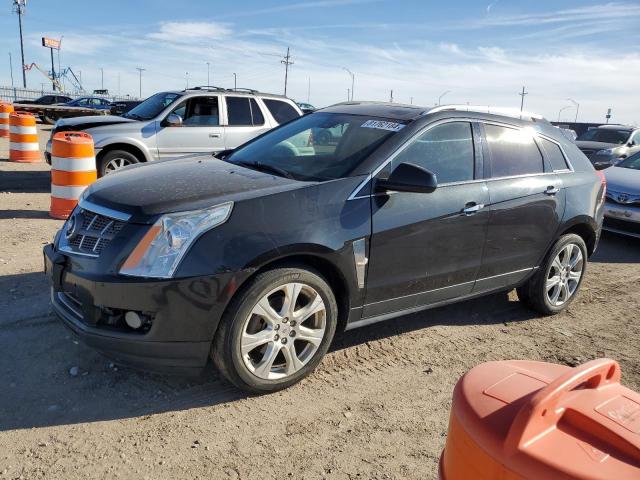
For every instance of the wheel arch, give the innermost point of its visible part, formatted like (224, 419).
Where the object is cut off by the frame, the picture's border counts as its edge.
(136, 150)
(585, 228)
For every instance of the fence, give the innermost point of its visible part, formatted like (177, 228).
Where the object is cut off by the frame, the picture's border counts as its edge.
(15, 94)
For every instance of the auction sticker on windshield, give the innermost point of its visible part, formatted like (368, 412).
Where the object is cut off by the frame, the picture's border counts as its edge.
(382, 125)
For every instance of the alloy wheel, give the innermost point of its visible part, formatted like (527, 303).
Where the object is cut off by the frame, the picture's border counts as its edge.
(564, 275)
(116, 164)
(283, 331)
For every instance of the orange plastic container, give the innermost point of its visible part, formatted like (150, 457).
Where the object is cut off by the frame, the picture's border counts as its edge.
(23, 138)
(532, 420)
(5, 110)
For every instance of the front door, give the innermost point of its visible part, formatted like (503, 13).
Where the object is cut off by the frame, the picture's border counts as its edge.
(526, 206)
(427, 247)
(200, 131)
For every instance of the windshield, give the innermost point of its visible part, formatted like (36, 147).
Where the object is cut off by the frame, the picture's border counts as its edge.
(319, 146)
(632, 162)
(152, 106)
(605, 135)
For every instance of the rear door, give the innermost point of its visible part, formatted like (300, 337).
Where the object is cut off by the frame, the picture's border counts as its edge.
(427, 247)
(201, 130)
(245, 120)
(526, 205)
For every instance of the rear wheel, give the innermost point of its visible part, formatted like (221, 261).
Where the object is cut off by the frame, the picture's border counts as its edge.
(555, 285)
(48, 119)
(276, 331)
(115, 160)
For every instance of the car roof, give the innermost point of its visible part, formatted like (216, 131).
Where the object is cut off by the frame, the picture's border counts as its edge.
(613, 126)
(229, 91)
(396, 111)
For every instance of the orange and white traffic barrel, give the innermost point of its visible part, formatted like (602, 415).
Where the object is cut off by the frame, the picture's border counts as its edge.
(23, 138)
(5, 110)
(73, 168)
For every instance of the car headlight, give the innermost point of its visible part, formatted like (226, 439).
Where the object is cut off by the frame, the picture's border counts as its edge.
(160, 251)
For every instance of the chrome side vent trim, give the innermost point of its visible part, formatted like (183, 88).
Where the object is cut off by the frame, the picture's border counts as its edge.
(360, 260)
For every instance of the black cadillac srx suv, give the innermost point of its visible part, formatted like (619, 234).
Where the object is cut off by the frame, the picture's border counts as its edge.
(257, 256)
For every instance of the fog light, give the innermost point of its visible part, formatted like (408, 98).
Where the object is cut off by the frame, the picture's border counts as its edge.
(133, 319)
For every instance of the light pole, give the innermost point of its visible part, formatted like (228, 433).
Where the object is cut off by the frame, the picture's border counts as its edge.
(562, 110)
(101, 78)
(577, 108)
(208, 81)
(140, 70)
(11, 69)
(235, 81)
(353, 80)
(19, 6)
(443, 94)
(187, 75)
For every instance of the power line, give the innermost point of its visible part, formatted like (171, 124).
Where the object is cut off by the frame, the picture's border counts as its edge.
(287, 61)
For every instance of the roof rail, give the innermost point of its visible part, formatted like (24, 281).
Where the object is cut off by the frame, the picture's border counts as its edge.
(507, 112)
(240, 89)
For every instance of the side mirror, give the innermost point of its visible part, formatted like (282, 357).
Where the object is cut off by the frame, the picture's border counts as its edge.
(173, 120)
(408, 177)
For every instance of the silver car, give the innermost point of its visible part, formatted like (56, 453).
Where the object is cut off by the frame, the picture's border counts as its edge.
(607, 145)
(174, 124)
(622, 209)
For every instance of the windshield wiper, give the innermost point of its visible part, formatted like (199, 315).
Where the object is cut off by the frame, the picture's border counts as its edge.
(269, 168)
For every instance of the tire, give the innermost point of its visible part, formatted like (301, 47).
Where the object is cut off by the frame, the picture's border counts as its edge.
(241, 326)
(48, 119)
(108, 162)
(323, 137)
(541, 292)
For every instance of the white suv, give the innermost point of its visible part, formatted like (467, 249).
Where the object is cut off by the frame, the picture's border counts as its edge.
(174, 124)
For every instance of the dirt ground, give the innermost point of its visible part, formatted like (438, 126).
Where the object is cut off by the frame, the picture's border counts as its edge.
(376, 408)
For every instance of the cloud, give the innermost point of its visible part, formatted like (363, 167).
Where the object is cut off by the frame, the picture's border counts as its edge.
(179, 32)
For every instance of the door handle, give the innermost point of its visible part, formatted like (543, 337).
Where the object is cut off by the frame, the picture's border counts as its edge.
(472, 208)
(214, 135)
(551, 190)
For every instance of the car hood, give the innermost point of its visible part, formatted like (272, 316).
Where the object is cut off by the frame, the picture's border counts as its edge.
(92, 121)
(589, 145)
(623, 180)
(147, 190)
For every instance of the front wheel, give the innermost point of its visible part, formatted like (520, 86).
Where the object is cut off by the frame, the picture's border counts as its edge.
(115, 160)
(276, 330)
(556, 283)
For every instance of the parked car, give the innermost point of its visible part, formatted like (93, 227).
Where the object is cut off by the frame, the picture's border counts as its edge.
(622, 212)
(120, 107)
(259, 255)
(95, 103)
(47, 100)
(607, 145)
(174, 124)
(306, 107)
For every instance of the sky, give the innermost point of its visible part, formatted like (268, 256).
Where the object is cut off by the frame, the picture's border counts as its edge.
(478, 52)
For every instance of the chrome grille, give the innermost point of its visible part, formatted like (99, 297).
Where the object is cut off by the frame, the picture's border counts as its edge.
(88, 233)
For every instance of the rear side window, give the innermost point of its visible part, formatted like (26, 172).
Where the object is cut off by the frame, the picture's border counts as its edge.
(239, 111)
(282, 112)
(513, 151)
(554, 154)
(446, 150)
(256, 113)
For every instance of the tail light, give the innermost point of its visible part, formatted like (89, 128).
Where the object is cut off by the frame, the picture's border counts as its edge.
(603, 180)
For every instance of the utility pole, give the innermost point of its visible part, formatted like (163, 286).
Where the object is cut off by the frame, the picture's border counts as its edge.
(208, 81)
(140, 70)
(353, 80)
(287, 61)
(102, 78)
(411, 101)
(11, 69)
(53, 72)
(19, 6)
(577, 105)
(608, 116)
(348, 92)
(391, 97)
(522, 99)
(235, 81)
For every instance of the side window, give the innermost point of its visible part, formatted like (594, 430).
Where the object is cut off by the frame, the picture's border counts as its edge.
(199, 112)
(239, 111)
(446, 150)
(635, 138)
(513, 151)
(256, 113)
(282, 112)
(554, 154)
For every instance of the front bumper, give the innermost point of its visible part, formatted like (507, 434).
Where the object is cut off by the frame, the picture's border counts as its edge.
(185, 314)
(623, 219)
